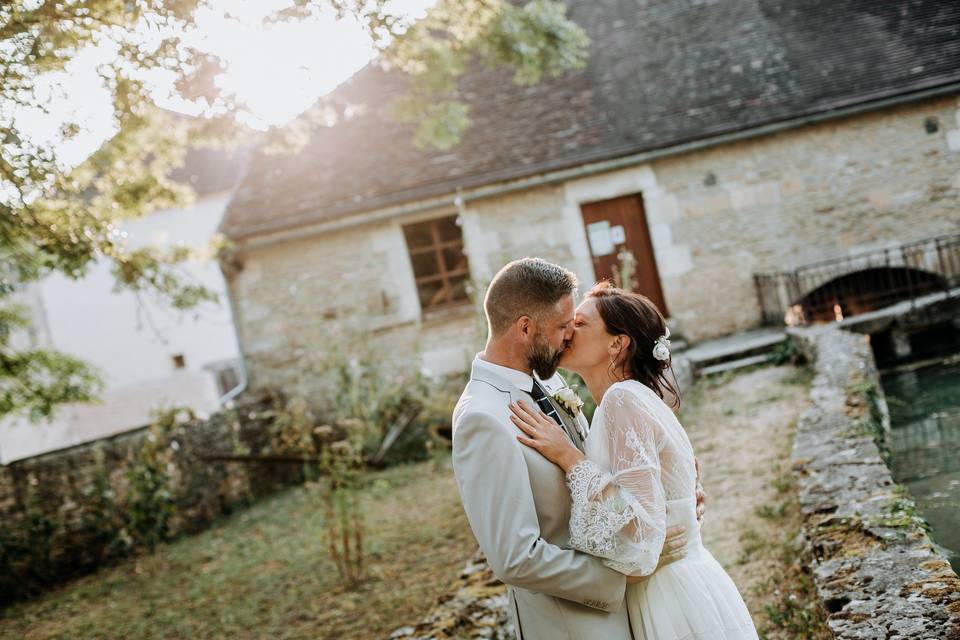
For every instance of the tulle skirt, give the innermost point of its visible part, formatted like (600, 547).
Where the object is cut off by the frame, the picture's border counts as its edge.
(690, 599)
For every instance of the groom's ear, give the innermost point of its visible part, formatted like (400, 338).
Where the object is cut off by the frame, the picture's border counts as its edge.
(524, 326)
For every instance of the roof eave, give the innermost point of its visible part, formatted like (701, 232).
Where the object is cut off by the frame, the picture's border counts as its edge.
(499, 183)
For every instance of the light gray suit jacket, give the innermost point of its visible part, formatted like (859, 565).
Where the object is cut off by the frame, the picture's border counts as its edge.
(518, 506)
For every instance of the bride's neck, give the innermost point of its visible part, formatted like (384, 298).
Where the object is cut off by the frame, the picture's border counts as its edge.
(598, 380)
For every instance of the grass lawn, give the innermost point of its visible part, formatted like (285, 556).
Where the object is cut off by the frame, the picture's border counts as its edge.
(263, 573)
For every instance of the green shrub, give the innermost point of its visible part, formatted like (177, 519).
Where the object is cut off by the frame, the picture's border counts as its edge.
(149, 506)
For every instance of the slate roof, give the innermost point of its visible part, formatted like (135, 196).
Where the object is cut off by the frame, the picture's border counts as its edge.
(660, 72)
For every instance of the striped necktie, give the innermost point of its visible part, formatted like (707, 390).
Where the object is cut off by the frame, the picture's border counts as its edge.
(540, 397)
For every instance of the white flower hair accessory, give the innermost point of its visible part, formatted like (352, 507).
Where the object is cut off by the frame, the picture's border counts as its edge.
(661, 348)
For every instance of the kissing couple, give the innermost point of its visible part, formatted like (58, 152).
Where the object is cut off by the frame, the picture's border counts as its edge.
(595, 529)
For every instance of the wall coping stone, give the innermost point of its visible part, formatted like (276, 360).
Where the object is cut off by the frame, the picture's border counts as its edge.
(874, 564)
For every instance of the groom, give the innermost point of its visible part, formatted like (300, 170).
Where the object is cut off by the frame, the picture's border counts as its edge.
(517, 501)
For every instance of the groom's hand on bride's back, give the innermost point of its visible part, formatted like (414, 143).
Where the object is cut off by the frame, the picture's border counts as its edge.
(673, 550)
(673, 545)
(701, 495)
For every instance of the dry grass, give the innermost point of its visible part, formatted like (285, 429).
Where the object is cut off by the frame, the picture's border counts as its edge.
(263, 573)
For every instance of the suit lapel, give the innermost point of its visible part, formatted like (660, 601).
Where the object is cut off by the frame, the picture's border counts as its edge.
(569, 424)
(516, 393)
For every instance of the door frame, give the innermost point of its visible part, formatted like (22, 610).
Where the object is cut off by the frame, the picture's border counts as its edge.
(638, 180)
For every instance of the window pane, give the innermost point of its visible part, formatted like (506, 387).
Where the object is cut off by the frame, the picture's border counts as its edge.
(448, 229)
(458, 289)
(418, 235)
(425, 264)
(432, 294)
(453, 259)
(431, 262)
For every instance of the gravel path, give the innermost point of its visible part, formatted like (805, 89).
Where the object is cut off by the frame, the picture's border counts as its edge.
(741, 427)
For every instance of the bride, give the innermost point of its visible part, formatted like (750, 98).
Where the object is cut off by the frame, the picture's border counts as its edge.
(638, 476)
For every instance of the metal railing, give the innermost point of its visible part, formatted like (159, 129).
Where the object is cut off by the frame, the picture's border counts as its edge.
(840, 287)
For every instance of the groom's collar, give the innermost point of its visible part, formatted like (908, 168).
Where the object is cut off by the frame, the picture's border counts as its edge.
(499, 376)
(504, 377)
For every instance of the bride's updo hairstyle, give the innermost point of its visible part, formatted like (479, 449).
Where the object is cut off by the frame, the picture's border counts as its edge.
(635, 316)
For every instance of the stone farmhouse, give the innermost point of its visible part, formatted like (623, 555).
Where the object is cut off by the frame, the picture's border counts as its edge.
(714, 140)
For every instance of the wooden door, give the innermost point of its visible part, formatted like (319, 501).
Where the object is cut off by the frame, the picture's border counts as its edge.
(618, 224)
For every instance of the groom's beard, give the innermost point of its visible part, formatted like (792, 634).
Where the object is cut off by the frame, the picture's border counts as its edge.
(543, 358)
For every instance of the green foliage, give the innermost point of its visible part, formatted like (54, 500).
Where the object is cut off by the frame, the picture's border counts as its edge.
(61, 217)
(264, 572)
(150, 503)
(785, 352)
(797, 612)
(868, 392)
(58, 216)
(105, 517)
(342, 466)
(34, 381)
(534, 39)
(333, 464)
(117, 523)
(353, 401)
(751, 543)
(784, 482)
(349, 377)
(26, 551)
(769, 512)
(901, 512)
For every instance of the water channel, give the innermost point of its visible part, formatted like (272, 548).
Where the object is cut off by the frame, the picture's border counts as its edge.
(925, 444)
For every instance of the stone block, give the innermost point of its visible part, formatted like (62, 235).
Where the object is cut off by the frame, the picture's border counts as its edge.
(742, 196)
(953, 140)
(674, 261)
(879, 198)
(660, 236)
(663, 208)
(792, 186)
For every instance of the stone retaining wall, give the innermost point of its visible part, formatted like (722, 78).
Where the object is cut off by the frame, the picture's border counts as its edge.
(60, 512)
(873, 562)
(474, 607)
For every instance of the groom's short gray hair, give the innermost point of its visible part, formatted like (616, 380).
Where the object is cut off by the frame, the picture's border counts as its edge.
(526, 287)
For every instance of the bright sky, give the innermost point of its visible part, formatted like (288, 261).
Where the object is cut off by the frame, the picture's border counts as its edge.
(278, 70)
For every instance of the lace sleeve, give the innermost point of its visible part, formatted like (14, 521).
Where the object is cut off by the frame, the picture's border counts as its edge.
(618, 509)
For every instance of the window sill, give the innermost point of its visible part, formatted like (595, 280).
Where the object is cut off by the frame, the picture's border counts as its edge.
(437, 316)
(464, 310)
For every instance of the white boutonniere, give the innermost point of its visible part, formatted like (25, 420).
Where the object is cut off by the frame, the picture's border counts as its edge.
(568, 399)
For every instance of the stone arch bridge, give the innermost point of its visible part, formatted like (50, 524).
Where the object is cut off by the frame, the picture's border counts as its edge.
(847, 286)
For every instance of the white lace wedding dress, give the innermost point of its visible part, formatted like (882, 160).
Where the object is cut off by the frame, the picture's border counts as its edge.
(638, 479)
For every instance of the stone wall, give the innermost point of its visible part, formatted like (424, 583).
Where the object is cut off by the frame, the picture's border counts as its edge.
(57, 509)
(793, 198)
(716, 217)
(475, 606)
(874, 564)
